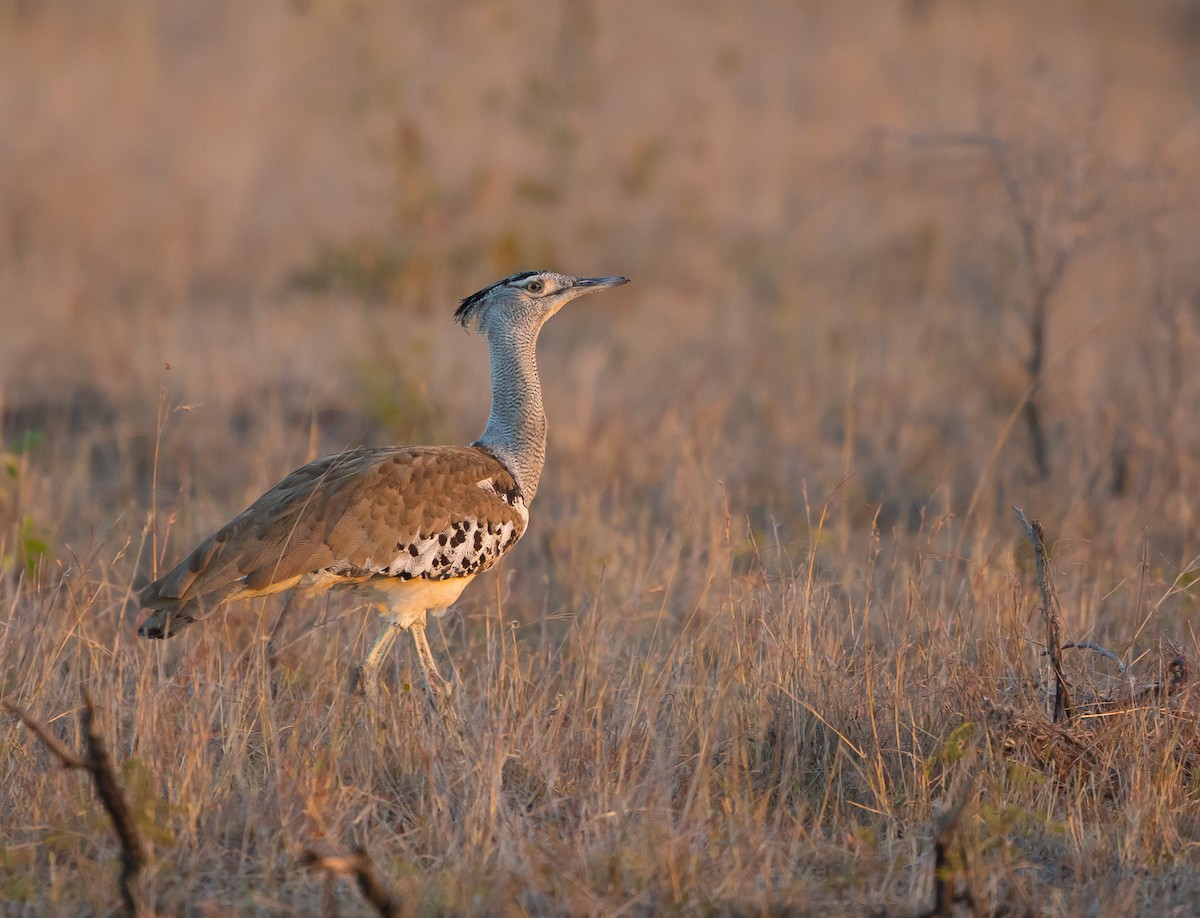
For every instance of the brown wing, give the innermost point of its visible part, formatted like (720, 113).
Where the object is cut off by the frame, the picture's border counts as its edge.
(432, 512)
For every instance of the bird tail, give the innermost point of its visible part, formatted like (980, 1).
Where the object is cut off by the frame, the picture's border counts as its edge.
(168, 621)
(171, 614)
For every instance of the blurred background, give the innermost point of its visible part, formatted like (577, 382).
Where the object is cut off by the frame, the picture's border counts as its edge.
(913, 254)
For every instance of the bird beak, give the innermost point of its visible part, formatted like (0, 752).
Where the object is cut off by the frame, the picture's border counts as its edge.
(588, 284)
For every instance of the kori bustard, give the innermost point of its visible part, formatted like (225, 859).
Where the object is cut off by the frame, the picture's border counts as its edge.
(406, 527)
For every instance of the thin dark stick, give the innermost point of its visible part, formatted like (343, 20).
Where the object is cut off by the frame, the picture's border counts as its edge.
(358, 865)
(52, 742)
(1062, 694)
(133, 852)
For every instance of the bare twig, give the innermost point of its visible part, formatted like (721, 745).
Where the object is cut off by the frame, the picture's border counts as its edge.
(1062, 693)
(133, 851)
(52, 742)
(358, 865)
(1096, 648)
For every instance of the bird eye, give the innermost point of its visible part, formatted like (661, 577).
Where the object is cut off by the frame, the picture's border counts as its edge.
(535, 286)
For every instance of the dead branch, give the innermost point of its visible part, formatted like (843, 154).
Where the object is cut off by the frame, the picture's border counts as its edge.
(1062, 693)
(52, 742)
(358, 865)
(1096, 648)
(133, 851)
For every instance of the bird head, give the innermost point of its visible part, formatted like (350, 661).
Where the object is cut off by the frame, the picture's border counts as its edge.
(526, 300)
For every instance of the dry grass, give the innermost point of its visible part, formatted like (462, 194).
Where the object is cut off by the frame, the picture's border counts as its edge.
(774, 617)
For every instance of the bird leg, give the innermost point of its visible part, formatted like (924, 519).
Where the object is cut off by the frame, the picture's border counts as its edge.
(366, 675)
(435, 684)
(437, 689)
(365, 679)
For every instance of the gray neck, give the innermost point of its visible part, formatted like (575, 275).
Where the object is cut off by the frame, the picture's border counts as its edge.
(516, 427)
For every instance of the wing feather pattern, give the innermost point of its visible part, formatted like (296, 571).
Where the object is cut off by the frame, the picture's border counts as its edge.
(406, 512)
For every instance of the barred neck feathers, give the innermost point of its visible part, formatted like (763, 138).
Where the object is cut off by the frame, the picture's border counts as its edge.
(516, 427)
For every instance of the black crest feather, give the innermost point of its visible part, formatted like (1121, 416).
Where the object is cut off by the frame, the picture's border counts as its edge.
(466, 308)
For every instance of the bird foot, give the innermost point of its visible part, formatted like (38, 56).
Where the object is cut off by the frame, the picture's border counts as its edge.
(438, 688)
(364, 682)
(442, 706)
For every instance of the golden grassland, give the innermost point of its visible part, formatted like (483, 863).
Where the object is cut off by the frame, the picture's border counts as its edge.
(774, 613)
